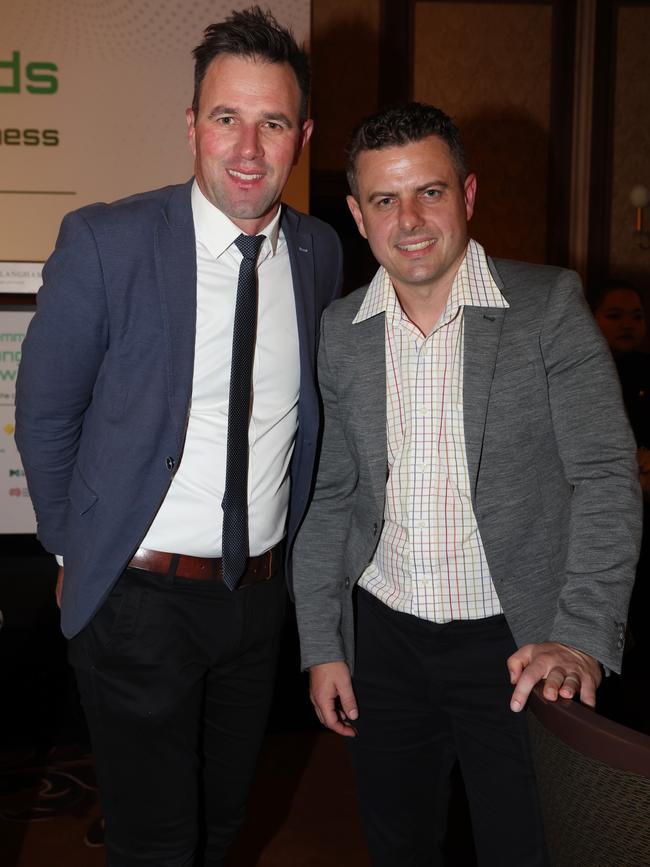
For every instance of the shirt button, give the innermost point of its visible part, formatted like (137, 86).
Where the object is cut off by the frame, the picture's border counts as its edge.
(169, 463)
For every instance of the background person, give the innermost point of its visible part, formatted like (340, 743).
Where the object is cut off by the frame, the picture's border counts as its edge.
(619, 310)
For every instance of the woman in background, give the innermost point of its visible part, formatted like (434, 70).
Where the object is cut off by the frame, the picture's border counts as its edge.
(619, 311)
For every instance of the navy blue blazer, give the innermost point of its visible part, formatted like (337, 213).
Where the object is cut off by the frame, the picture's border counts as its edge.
(105, 379)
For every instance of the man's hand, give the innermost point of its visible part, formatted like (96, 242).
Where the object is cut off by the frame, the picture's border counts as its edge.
(59, 586)
(565, 669)
(327, 683)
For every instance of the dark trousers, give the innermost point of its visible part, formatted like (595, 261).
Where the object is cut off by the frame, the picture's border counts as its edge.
(429, 695)
(176, 679)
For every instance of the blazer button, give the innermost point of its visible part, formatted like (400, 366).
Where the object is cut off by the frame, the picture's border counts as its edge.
(346, 583)
(169, 463)
(374, 529)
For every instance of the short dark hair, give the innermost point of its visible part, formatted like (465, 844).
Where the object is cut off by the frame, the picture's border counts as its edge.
(252, 33)
(399, 125)
(601, 290)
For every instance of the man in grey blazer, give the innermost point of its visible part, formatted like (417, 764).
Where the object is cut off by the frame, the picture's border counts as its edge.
(125, 426)
(475, 521)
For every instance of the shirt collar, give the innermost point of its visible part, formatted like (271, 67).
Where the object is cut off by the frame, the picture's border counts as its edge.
(217, 232)
(473, 286)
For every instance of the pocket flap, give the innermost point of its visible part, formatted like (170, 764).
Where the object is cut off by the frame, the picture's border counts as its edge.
(81, 496)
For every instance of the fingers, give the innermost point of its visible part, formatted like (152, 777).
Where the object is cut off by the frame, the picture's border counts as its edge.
(333, 698)
(524, 685)
(348, 703)
(566, 672)
(59, 586)
(517, 662)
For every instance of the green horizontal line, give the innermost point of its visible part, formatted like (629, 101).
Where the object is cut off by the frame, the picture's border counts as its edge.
(38, 192)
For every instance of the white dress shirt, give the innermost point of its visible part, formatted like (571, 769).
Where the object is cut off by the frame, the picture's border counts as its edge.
(430, 560)
(190, 517)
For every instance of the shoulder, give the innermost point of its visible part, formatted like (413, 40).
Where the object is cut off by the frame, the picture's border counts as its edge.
(139, 208)
(343, 311)
(528, 275)
(536, 286)
(298, 223)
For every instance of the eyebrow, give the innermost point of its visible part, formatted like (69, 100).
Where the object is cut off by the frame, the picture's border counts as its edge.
(270, 115)
(388, 194)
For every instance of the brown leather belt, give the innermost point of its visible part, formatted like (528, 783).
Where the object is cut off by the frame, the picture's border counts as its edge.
(259, 568)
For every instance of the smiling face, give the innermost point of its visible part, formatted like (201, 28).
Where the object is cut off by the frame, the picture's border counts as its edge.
(413, 209)
(621, 318)
(246, 137)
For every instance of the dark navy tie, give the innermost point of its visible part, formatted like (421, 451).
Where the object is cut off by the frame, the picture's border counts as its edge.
(235, 496)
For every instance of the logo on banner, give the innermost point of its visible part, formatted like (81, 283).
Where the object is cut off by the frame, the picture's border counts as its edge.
(36, 75)
(18, 492)
(37, 78)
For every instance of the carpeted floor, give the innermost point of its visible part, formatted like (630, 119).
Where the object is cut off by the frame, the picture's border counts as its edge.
(302, 812)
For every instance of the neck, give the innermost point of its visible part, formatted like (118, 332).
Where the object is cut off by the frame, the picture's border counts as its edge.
(423, 305)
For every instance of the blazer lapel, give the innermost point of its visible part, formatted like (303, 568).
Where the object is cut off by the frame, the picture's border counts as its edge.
(301, 257)
(175, 248)
(369, 396)
(481, 342)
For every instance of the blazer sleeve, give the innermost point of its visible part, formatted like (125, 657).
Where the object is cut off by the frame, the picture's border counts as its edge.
(61, 357)
(597, 451)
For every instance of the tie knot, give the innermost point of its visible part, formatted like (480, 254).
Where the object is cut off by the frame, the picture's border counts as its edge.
(249, 245)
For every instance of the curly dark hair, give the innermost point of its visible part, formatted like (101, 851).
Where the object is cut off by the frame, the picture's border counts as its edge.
(400, 125)
(252, 33)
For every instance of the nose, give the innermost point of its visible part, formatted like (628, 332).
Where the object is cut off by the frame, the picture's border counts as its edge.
(410, 215)
(250, 143)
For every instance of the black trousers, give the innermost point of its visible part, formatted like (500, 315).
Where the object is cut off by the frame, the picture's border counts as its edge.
(429, 695)
(176, 678)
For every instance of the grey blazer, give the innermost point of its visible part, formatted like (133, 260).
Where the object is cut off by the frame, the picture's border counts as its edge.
(551, 462)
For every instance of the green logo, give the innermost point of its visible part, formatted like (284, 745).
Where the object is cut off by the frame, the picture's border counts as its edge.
(36, 74)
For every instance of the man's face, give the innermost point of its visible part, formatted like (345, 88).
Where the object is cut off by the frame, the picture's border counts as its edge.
(246, 137)
(622, 320)
(413, 210)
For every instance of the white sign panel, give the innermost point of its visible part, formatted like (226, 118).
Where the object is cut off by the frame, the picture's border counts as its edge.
(16, 512)
(23, 278)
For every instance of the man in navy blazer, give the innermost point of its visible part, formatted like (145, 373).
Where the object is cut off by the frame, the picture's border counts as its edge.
(122, 417)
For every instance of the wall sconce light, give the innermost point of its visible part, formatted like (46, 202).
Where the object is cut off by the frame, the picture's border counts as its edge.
(639, 199)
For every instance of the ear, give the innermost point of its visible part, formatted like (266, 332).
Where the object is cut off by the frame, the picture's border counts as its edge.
(191, 130)
(305, 135)
(355, 210)
(470, 195)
